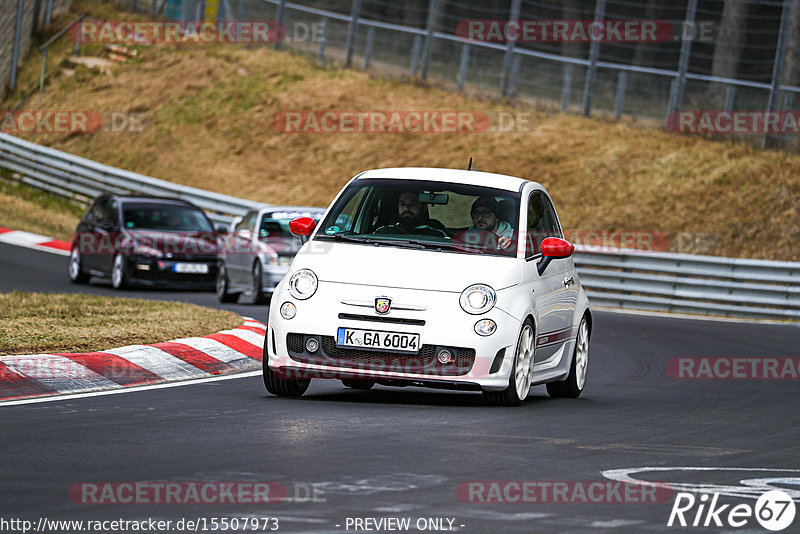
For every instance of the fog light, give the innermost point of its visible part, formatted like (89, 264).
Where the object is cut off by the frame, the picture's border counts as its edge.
(485, 327)
(288, 311)
(312, 345)
(445, 357)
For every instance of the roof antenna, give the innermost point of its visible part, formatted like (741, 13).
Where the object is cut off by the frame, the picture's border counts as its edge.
(470, 164)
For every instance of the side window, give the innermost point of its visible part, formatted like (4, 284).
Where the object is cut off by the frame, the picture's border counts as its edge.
(247, 225)
(99, 211)
(542, 223)
(346, 218)
(111, 216)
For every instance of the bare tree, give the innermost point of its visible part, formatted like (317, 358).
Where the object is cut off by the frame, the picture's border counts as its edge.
(730, 39)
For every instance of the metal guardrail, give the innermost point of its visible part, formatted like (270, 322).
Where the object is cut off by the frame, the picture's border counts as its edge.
(83, 179)
(624, 279)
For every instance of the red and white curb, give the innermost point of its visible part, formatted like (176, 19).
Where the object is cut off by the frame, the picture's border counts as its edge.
(36, 375)
(34, 241)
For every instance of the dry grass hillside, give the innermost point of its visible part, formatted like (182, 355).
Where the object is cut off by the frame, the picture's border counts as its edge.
(209, 123)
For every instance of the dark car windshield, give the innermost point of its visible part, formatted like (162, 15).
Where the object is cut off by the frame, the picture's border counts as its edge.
(419, 214)
(274, 230)
(165, 217)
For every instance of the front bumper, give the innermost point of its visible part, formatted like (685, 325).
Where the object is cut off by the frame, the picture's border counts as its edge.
(479, 362)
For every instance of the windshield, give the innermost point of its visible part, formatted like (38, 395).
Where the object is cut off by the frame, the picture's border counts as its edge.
(274, 230)
(434, 215)
(164, 217)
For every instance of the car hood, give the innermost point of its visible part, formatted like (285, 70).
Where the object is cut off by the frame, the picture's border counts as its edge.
(177, 243)
(405, 268)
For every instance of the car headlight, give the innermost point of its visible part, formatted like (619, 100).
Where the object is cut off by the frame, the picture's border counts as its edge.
(477, 299)
(303, 284)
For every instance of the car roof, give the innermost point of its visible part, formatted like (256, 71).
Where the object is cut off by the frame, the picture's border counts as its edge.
(269, 209)
(128, 199)
(461, 176)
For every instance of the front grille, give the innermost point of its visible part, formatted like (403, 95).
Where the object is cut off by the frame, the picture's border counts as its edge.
(380, 319)
(424, 362)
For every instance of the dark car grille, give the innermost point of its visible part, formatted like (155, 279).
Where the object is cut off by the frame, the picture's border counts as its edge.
(424, 362)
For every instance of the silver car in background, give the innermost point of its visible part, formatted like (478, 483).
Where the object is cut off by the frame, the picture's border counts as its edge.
(257, 251)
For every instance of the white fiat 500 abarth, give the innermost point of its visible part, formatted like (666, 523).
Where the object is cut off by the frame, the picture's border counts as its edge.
(432, 277)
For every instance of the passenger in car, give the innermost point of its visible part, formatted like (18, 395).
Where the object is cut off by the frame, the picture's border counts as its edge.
(484, 217)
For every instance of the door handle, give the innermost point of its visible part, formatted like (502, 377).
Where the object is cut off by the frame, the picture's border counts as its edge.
(569, 280)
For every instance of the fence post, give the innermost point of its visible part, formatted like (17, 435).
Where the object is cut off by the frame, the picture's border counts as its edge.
(516, 64)
(622, 80)
(677, 89)
(44, 69)
(368, 46)
(462, 66)
(433, 8)
(12, 81)
(730, 94)
(777, 67)
(509, 55)
(567, 87)
(280, 18)
(48, 14)
(415, 53)
(351, 32)
(594, 53)
(322, 39)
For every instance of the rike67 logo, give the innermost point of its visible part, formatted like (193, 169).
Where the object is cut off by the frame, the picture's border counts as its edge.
(774, 510)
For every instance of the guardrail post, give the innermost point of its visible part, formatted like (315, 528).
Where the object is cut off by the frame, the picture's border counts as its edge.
(566, 89)
(777, 67)
(280, 19)
(12, 80)
(415, 53)
(433, 8)
(351, 32)
(730, 95)
(462, 66)
(368, 46)
(594, 53)
(678, 88)
(323, 39)
(510, 43)
(622, 80)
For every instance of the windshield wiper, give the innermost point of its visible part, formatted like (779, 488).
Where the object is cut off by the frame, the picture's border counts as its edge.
(342, 237)
(449, 246)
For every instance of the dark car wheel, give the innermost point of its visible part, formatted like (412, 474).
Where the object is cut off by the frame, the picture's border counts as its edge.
(76, 274)
(119, 273)
(282, 387)
(258, 287)
(223, 286)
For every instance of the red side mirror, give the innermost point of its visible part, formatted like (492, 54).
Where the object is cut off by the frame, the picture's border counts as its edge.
(302, 226)
(554, 247)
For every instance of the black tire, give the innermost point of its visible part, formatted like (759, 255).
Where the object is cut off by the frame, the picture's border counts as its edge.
(75, 269)
(572, 386)
(223, 295)
(358, 384)
(281, 387)
(258, 290)
(509, 396)
(119, 273)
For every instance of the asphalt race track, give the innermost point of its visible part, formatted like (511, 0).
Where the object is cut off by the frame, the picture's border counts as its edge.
(409, 453)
